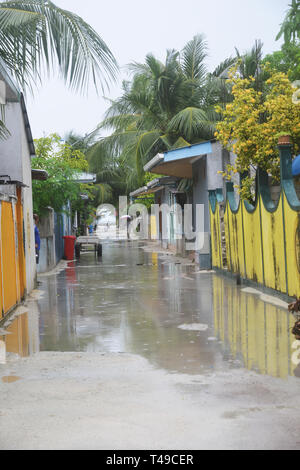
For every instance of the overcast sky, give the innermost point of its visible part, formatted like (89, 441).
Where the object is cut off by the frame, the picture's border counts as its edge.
(134, 28)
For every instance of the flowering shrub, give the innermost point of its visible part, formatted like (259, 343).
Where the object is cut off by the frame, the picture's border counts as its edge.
(252, 123)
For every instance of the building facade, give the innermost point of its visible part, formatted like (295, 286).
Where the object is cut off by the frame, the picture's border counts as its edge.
(18, 262)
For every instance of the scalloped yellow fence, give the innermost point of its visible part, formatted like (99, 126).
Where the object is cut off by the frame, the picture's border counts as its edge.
(262, 242)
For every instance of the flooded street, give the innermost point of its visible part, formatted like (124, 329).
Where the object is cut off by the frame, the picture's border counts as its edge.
(165, 310)
(141, 350)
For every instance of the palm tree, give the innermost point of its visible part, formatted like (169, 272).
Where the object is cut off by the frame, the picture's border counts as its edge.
(165, 106)
(250, 65)
(290, 28)
(110, 175)
(36, 33)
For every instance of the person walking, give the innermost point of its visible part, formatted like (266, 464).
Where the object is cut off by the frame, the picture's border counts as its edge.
(37, 238)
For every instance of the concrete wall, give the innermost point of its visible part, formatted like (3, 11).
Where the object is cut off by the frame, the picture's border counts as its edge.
(15, 161)
(206, 178)
(53, 227)
(47, 259)
(11, 151)
(28, 211)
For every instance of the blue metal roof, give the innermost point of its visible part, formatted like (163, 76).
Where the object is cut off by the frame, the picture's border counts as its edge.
(188, 152)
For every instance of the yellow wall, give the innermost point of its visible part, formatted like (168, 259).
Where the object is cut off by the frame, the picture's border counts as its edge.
(9, 269)
(253, 244)
(215, 224)
(21, 254)
(153, 227)
(292, 248)
(12, 257)
(234, 237)
(262, 245)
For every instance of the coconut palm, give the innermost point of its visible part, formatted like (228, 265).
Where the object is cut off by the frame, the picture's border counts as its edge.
(250, 65)
(110, 175)
(36, 34)
(165, 106)
(290, 28)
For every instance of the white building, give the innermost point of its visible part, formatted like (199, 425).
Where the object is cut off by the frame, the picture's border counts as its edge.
(15, 164)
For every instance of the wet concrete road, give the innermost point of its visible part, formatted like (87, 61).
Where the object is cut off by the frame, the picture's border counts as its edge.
(165, 310)
(143, 351)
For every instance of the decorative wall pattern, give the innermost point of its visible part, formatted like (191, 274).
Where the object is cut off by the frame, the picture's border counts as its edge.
(261, 241)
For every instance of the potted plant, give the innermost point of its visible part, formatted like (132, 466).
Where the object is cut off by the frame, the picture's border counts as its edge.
(284, 138)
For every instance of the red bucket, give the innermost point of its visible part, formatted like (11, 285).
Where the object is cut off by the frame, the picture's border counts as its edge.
(69, 247)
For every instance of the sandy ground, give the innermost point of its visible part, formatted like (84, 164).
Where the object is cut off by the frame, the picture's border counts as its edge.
(118, 401)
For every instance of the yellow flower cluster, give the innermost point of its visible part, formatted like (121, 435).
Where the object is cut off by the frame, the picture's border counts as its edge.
(251, 123)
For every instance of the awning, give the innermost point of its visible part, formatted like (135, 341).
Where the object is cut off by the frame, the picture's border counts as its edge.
(85, 178)
(178, 163)
(39, 175)
(5, 180)
(154, 186)
(139, 192)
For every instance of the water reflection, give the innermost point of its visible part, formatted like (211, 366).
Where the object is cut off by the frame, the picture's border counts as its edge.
(22, 332)
(254, 332)
(147, 304)
(127, 303)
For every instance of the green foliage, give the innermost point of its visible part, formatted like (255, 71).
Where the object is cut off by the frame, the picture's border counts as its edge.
(254, 121)
(63, 165)
(287, 60)
(290, 28)
(36, 35)
(164, 106)
(36, 32)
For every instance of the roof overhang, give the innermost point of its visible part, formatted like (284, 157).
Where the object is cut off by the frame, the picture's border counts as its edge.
(85, 178)
(154, 186)
(179, 163)
(39, 175)
(139, 192)
(27, 127)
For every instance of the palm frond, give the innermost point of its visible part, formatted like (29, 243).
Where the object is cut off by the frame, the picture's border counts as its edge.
(221, 71)
(193, 57)
(189, 123)
(82, 56)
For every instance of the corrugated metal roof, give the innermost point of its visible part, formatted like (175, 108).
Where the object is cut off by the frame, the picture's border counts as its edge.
(188, 152)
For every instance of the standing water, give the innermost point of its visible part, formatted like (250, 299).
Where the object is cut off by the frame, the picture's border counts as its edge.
(164, 309)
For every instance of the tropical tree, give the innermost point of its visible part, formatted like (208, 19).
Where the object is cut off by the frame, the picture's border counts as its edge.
(36, 34)
(250, 65)
(110, 175)
(290, 28)
(63, 165)
(252, 123)
(287, 59)
(164, 106)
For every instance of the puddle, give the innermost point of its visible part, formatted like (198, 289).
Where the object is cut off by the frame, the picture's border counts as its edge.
(20, 335)
(10, 379)
(194, 326)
